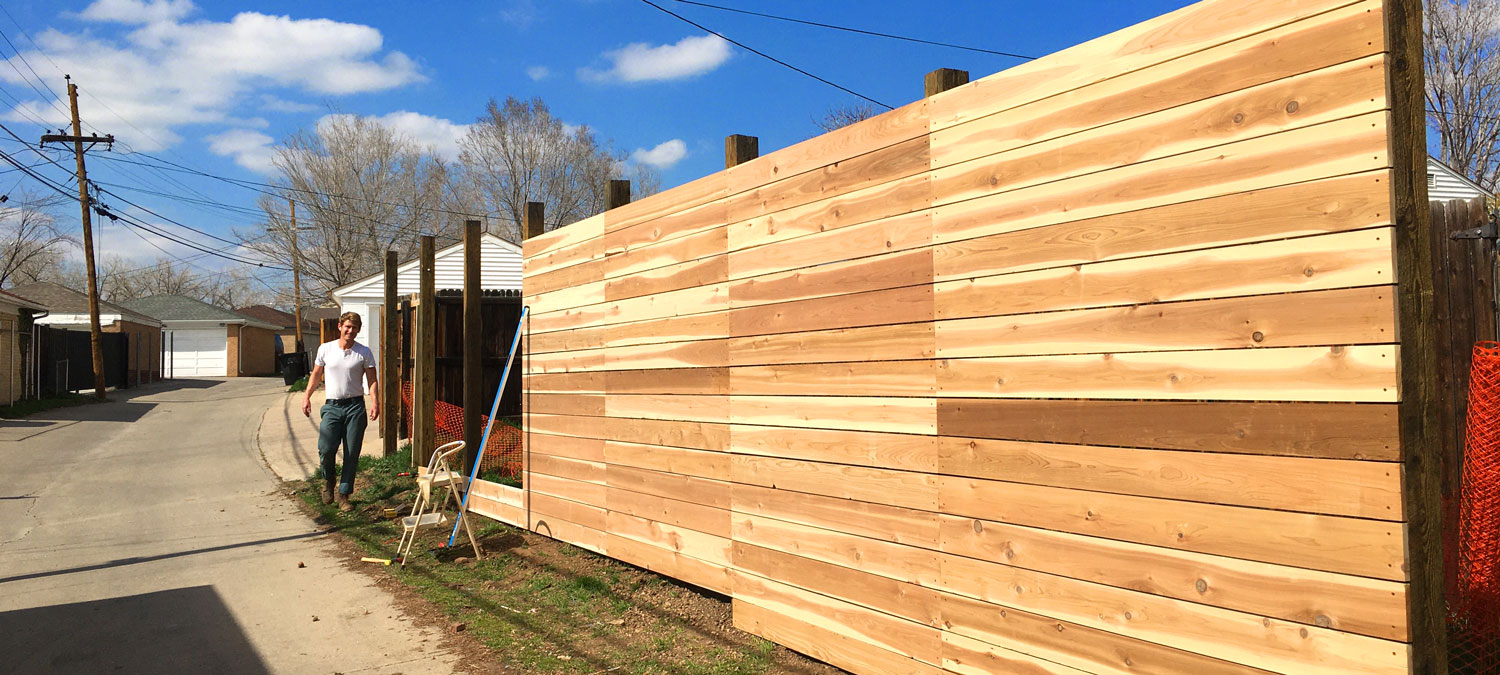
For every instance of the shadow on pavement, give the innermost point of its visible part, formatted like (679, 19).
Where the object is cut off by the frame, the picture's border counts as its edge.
(184, 630)
(178, 554)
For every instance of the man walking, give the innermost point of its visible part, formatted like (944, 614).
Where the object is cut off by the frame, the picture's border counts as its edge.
(343, 412)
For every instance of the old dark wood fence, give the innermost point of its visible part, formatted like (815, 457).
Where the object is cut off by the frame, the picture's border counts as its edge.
(501, 310)
(66, 360)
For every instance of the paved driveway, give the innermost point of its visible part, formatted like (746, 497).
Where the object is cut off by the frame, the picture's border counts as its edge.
(146, 535)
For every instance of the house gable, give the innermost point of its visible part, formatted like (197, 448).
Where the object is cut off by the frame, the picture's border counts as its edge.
(500, 269)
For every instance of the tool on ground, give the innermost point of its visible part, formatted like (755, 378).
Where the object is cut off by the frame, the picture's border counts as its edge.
(383, 561)
(463, 506)
(448, 483)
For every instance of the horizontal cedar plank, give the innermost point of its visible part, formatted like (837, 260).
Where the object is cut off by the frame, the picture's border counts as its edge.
(967, 656)
(1321, 97)
(591, 494)
(563, 467)
(831, 646)
(1359, 258)
(891, 270)
(1259, 642)
(586, 449)
(1337, 431)
(567, 236)
(1330, 486)
(569, 319)
(699, 245)
(700, 272)
(565, 362)
(908, 452)
(883, 630)
(870, 556)
(681, 461)
(884, 130)
(887, 523)
(703, 491)
(567, 277)
(670, 563)
(574, 512)
(860, 378)
(907, 489)
(706, 519)
(683, 222)
(846, 175)
(668, 381)
(697, 300)
(500, 494)
(497, 510)
(1346, 146)
(900, 415)
(588, 293)
(566, 404)
(1329, 543)
(1347, 316)
(1358, 373)
(1194, 28)
(1353, 604)
(895, 198)
(567, 383)
(700, 545)
(672, 329)
(875, 308)
(699, 354)
(563, 256)
(563, 341)
(1276, 57)
(668, 407)
(872, 343)
(908, 601)
(568, 532)
(887, 235)
(706, 189)
(646, 432)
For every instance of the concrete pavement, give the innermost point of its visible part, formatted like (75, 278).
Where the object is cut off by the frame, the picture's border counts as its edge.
(147, 535)
(289, 440)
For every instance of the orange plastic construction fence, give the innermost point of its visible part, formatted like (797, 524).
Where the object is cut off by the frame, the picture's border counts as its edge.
(502, 452)
(1474, 598)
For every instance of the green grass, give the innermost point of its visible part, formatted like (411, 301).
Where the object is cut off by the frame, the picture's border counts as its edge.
(299, 385)
(531, 607)
(31, 406)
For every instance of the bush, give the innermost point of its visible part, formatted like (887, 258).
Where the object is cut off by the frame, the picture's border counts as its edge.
(299, 385)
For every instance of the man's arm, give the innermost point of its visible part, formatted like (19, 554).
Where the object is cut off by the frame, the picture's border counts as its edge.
(313, 380)
(374, 379)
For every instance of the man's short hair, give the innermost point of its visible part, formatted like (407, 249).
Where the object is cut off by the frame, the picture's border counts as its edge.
(351, 317)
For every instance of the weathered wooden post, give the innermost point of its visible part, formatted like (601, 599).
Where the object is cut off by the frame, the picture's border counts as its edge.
(619, 194)
(739, 149)
(424, 390)
(390, 364)
(943, 79)
(535, 224)
(473, 346)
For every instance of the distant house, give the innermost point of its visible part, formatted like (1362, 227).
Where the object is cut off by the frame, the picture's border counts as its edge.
(1444, 183)
(70, 309)
(202, 340)
(15, 314)
(287, 333)
(500, 269)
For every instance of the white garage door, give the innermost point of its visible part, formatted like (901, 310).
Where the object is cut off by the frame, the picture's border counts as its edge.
(197, 353)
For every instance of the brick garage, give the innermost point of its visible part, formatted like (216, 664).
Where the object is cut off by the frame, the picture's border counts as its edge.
(258, 351)
(145, 349)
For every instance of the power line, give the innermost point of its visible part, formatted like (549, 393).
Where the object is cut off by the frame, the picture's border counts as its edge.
(857, 30)
(764, 55)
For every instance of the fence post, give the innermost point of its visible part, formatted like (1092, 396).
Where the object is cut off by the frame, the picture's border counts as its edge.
(943, 79)
(424, 389)
(619, 194)
(739, 149)
(473, 345)
(390, 355)
(535, 224)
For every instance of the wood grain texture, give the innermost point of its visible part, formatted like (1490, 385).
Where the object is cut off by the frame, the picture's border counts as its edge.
(912, 602)
(907, 195)
(668, 562)
(668, 381)
(907, 489)
(680, 461)
(893, 270)
(911, 304)
(890, 560)
(888, 129)
(901, 452)
(855, 413)
(862, 378)
(887, 235)
(682, 222)
(571, 236)
(702, 491)
(897, 342)
(872, 168)
(675, 512)
(698, 354)
(688, 542)
(907, 638)
(703, 271)
(669, 407)
(680, 198)
(827, 645)
(876, 521)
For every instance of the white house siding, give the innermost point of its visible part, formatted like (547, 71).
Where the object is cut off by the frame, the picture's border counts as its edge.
(1444, 185)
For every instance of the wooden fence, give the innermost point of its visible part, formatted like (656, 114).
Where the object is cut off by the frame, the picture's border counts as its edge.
(1092, 365)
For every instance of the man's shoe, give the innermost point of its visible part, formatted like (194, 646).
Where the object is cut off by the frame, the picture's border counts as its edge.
(327, 494)
(344, 504)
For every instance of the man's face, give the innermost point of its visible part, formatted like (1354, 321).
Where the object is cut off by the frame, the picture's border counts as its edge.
(347, 330)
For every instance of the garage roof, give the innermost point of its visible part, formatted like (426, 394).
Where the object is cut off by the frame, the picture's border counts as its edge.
(184, 308)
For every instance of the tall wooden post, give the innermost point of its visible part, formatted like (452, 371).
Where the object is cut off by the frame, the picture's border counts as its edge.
(739, 149)
(619, 194)
(474, 404)
(390, 362)
(296, 279)
(95, 337)
(943, 79)
(424, 388)
(535, 221)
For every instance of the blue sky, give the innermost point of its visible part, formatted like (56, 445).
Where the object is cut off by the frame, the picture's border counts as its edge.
(212, 85)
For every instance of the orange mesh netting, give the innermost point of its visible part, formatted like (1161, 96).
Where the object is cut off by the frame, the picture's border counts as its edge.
(502, 452)
(1475, 597)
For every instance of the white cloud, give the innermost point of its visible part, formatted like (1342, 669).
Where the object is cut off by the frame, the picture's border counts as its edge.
(250, 149)
(275, 104)
(538, 73)
(168, 73)
(663, 156)
(641, 62)
(440, 135)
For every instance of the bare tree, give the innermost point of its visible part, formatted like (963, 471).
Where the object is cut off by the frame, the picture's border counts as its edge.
(361, 188)
(518, 152)
(31, 244)
(1461, 40)
(843, 115)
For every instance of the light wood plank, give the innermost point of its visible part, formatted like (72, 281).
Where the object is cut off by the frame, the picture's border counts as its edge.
(669, 407)
(906, 452)
(700, 272)
(700, 545)
(880, 486)
(676, 512)
(569, 236)
(670, 563)
(686, 196)
(585, 515)
(699, 354)
(892, 270)
(893, 127)
(887, 235)
(968, 656)
(668, 381)
(877, 628)
(828, 645)
(873, 203)
(857, 413)
(877, 521)
(862, 378)
(870, 556)
(911, 304)
(907, 601)
(681, 461)
(703, 491)
(874, 343)
(567, 532)
(882, 165)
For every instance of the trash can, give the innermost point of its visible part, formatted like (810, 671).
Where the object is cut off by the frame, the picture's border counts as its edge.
(293, 366)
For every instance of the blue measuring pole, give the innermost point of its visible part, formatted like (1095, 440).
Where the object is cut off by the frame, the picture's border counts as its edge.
(463, 506)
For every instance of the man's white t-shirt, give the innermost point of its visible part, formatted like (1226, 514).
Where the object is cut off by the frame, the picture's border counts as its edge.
(344, 369)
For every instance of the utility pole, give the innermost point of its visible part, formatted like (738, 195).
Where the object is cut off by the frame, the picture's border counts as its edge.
(296, 278)
(78, 139)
